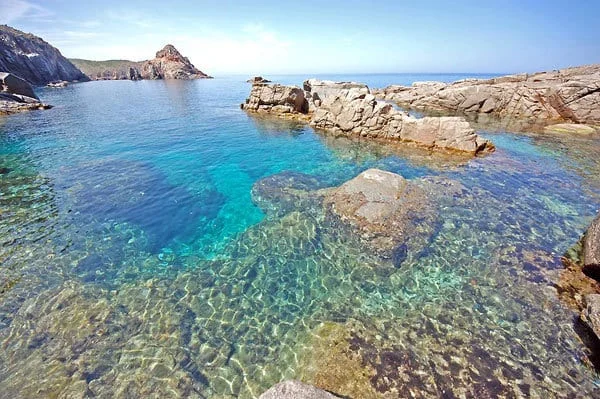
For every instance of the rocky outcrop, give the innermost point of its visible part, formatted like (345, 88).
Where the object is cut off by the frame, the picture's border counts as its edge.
(258, 79)
(571, 95)
(387, 212)
(293, 389)
(168, 64)
(17, 95)
(34, 60)
(348, 109)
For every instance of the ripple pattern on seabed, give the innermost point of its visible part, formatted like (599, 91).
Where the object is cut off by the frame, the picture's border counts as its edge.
(101, 301)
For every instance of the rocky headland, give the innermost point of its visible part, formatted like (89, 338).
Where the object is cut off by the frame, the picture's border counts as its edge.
(349, 109)
(17, 95)
(567, 96)
(168, 64)
(34, 60)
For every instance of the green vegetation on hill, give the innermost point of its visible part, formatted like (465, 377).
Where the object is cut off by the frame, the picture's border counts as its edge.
(105, 69)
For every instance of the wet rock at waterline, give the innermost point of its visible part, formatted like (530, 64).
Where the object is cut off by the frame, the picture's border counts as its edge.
(591, 313)
(295, 390)
(348, 109)
(17, 95)
(591, 248)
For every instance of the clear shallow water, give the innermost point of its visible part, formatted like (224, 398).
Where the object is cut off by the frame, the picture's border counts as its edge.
(134, 260)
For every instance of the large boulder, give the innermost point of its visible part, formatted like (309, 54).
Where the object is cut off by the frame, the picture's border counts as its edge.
(293, 389)
(276, 99)
(356, 113)
(571, 94)
(34, 60)
(12, 84)
(391, 215)
(321, 90)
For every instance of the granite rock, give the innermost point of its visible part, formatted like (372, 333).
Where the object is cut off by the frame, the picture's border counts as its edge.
(571, 95)
(258, 79)
(17, 95)
(591, 247)
(348, 109)
(389, 214)
(591, 313)
(32, 59)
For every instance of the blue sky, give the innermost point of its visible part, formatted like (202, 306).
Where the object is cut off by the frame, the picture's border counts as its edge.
(337, 36)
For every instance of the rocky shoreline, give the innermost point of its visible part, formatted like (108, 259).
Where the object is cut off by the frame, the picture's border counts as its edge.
(349, 109)
(570, 96)
(17, 95)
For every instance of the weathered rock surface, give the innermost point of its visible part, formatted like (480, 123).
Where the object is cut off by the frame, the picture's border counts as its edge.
(571, 95)
(354, 112)
(390, 214)
(348, 109)
(293, 389)
(168, 64)
(34, 60)
(277, 99)
(591, 313)
(591, 247)
(574, 128)
(17, 95)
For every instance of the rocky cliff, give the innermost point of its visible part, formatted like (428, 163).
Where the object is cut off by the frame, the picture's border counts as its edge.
(168, 64)
(568, 95)
(349, 109)
(31, 58)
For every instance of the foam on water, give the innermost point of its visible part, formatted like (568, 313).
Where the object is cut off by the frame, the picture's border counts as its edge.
(135, 262)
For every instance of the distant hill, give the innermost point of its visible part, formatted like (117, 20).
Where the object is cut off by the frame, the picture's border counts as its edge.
(168, 64)
(33, 59)
(108, 70)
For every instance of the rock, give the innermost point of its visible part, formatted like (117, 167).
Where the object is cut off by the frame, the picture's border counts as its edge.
(31, 58)
(292, 389)
(570, 128)
(17, 95)
(354, 112)
(591, 248)
(321, 90)
(389, 213)
(58, 85)
(258, 79)
(571, 95)
(348, 109)
(591, 313)
(285, 192)
(276, 99)
(168, 64)
(12, 84)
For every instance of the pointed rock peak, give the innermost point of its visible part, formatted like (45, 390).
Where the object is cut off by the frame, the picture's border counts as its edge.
(168, 51)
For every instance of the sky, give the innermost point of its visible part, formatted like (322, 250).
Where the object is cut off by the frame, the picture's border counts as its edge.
(337, 36)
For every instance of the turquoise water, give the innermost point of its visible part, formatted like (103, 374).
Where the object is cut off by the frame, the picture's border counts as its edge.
(135, 261)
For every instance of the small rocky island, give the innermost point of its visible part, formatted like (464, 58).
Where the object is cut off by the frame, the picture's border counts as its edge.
(168, 64)
(349, 109)
(569, 96)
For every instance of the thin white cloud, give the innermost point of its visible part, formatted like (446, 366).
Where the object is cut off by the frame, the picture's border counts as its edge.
(15, 10)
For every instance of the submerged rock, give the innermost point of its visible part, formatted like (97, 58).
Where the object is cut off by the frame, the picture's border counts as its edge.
(571, 94)
(390, 214)
(295, 390)
(570, 128)
(348, 109)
